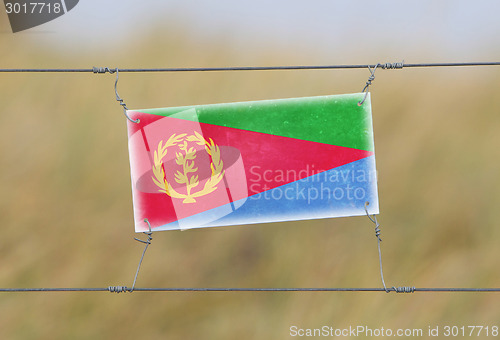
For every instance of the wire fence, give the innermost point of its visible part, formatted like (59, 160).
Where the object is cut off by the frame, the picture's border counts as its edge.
(123, 289)
(371, 67)
(397, 65)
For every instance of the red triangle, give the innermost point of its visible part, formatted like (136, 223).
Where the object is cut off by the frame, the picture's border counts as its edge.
(271, 161)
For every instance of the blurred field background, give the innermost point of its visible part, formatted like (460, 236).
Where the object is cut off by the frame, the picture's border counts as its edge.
(66, 210)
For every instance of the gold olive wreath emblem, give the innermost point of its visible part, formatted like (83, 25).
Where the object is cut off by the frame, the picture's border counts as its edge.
(186, 160)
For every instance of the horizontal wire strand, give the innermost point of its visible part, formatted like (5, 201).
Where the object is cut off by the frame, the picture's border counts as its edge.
(125, 289)
(248, 68)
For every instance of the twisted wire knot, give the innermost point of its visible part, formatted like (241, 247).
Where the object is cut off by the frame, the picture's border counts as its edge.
(369, 81)
(121, 102)
(148, 241)
(403, 289)
(385, 66)
(374, 221)
(392, 66)
(378, 232)
(118, 289)
(103, 70)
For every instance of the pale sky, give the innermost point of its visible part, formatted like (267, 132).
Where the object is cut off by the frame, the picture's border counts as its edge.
(455, 30)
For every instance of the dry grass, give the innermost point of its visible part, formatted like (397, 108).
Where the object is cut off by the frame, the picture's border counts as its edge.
(66, 211)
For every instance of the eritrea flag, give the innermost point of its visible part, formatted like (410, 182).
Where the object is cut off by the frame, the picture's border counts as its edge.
(252, 162)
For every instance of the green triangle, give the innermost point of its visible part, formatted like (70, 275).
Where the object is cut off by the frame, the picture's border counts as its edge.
(335, 120)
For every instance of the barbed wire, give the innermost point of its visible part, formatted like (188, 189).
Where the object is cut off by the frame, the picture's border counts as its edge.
(398, 65)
